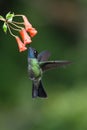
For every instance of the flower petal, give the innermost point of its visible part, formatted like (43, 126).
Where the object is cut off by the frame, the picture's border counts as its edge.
(32, 32)
(26, 23)
(26, 38)
(20, 44)
(29, 27)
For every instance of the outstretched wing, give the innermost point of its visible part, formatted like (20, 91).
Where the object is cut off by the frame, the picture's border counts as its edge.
(43, 56)
(47, 65)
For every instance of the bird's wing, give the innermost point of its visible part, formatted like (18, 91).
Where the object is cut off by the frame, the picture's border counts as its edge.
(43, 56)
(47, 65)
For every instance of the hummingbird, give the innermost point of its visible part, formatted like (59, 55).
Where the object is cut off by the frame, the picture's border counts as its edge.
(38, 63)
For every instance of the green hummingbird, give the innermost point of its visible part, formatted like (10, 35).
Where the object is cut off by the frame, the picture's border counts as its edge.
(37, 65)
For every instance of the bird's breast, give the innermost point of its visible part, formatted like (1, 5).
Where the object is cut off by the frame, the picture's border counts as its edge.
(35, 72)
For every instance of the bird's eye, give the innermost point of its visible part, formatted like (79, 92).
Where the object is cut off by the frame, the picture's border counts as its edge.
(35, 53)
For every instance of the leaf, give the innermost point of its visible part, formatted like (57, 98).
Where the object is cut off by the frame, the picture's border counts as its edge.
(9, 16)
(5, 27)
(1, 17)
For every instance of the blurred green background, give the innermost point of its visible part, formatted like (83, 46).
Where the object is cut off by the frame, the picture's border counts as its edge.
(62, 29)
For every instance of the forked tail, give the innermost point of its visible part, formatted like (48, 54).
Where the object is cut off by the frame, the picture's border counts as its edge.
(38, 90)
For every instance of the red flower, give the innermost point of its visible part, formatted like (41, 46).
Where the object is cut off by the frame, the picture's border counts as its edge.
(26, 38)
(29, 27)
(32, 32)
(26, 23)
(20, 44)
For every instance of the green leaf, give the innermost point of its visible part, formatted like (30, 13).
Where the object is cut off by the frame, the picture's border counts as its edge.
(5, 27)
(1, 17)
(9, 16)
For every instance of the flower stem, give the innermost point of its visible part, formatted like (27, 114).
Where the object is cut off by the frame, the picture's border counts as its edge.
(14, 28)
(16, 25)
(18, 15)
(10, 31)
(2, 19)
(18, 22)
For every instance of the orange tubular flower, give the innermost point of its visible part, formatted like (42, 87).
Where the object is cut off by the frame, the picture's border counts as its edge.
(29, 27)
(32, 32)
(20, 44)
(26, 38)
(26, 23)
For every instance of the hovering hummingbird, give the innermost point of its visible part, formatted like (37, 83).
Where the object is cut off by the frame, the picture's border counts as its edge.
(37, 65)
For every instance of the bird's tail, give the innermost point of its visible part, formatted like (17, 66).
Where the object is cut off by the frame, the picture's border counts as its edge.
(38, 90)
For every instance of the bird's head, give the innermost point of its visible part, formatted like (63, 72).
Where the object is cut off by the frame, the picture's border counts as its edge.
(32, 53)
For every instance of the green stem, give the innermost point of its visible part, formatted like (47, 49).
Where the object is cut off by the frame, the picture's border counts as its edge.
(16, 25)
(10, 31)
(18, 22)
(14, 28)
(2, 19)
(18, 15)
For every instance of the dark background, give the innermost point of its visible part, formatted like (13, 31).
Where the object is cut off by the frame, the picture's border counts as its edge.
(62, 29)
